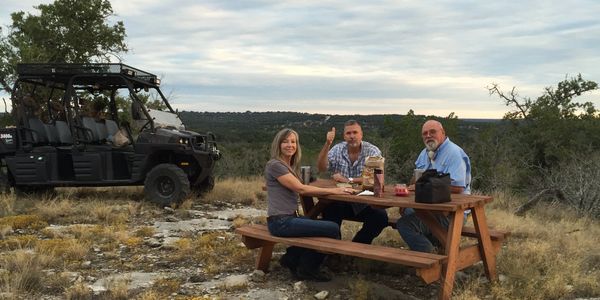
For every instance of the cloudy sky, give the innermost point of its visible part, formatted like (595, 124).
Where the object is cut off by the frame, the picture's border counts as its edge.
(356, 57)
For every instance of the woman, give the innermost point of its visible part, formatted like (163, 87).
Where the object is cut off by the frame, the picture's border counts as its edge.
(283, 186)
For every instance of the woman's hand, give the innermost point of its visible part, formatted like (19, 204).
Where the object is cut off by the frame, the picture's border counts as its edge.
(344, 191)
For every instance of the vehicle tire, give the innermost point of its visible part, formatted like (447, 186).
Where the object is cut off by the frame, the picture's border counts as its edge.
(166, 184)
(205, 186)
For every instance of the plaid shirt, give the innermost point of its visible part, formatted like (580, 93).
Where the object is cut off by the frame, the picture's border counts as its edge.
(339, 162)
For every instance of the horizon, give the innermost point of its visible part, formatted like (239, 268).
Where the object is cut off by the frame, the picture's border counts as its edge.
(324, 114)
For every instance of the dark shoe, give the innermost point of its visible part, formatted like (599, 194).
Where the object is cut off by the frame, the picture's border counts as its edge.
(286, 262)
(312, 275)
(339, 263)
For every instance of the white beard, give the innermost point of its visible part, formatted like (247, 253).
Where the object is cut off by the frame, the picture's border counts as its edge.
(431, 145)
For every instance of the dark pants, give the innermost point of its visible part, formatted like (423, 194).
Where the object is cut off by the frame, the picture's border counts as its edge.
(374, 220)
(291, 226)
(416, 234)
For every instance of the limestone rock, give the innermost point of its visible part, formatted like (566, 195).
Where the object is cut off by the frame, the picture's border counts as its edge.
(321, 295)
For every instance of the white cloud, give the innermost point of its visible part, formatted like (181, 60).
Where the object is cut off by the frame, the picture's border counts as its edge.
(435, 57)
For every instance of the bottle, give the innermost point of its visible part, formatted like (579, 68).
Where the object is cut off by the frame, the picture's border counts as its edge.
(378, 182)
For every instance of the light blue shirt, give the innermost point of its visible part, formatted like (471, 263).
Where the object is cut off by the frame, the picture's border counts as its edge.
(449, 158)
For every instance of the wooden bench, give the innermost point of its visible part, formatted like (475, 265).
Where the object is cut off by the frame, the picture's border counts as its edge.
(428, 266)
(467, 231)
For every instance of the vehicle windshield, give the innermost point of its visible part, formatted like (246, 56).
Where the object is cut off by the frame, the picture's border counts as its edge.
(166, 119)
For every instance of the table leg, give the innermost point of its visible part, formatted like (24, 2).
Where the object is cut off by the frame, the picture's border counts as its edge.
(307, 203)
(311, 209)
(485, 242)
(264, 256)
(452, 251)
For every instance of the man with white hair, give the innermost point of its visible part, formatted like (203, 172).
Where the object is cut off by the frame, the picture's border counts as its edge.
(444, 156)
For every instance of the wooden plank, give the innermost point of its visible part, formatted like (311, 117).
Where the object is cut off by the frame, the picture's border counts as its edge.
(458, 202)
(468, 231)
(469, 255)
(495, 235)
(307, 203)
(264, 257)
(431, 274)
(452, 250)
(251, 242)
(485, 243)
(381, 253)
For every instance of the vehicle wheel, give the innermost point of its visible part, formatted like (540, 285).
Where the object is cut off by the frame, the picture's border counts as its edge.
(166, 184)
(205, 186)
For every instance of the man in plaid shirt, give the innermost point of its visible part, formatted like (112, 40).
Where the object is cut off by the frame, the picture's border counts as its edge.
(346, 161)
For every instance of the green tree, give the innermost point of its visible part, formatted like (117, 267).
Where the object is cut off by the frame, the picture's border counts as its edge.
(65, 31)
(554, 123)
(555, 140)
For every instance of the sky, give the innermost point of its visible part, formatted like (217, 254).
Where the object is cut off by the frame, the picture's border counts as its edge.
(355, 57)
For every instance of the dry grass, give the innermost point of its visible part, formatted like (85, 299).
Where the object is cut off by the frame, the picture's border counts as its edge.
(145, 231)
(7, 205)
(359, 289)
(549, 258)
(33, 222)
(209, 250)
(164, 287)
(23, 271)
(117, 290)
(78, 291)
(18, 242)
(150, 295)
(235, 190)
(65, 249)
(551, 254)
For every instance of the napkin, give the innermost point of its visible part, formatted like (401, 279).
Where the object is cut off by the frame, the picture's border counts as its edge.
(366, 193)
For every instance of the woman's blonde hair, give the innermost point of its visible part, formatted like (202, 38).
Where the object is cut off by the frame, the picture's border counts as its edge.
(276, 149)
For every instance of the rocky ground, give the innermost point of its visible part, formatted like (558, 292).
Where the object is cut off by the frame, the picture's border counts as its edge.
(195, 254)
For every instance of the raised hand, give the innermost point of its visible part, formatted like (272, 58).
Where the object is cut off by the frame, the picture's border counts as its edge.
(330, 135)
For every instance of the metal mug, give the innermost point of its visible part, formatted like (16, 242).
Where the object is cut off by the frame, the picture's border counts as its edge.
(305, 174)
(417, 173)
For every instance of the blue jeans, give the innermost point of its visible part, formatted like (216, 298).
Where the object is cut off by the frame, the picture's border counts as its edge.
(291, 226)
(416, 234)
(374, 220)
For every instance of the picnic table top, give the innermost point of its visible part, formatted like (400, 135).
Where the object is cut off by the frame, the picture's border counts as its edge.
(389, 199)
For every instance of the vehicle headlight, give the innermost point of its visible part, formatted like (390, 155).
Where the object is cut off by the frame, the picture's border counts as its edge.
(184, 141)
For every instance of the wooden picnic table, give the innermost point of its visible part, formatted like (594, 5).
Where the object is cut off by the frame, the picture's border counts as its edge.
(457, 258)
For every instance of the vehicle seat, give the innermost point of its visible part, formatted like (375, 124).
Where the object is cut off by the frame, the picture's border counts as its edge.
(52, 134)
(102, 132)
(93, 134)
(38, 131)
(111, 127)
(64, 133)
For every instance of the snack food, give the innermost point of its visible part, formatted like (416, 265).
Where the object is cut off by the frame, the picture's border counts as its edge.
(371, 163)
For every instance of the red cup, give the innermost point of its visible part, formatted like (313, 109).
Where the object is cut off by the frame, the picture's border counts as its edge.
(401, 190)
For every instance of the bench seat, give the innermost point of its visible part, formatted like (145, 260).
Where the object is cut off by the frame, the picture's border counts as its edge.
(428, 265)
(468, 231)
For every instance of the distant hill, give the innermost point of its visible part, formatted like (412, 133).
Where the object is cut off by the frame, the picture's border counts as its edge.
(238, 126)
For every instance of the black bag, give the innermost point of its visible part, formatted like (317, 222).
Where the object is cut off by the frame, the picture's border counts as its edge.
(433, 187)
